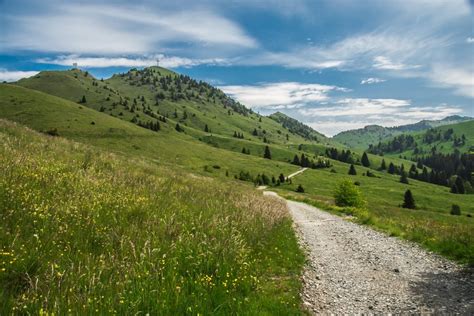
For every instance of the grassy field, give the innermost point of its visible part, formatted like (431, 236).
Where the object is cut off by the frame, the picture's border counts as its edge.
(89, 232)
(430, 224)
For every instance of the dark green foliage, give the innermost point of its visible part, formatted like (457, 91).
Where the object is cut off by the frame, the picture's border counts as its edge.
(255, 133)
(267, 154)
(178, 128)
(281, 178)
(459, 183)
(404, 178)
(383, 166)
(300, 189)
(296, 160)
(391, 168)
(365, 160)
(352, 170)
(83, 99)
(408, 200)
(455, 209)
(296, 127)
(206, 129)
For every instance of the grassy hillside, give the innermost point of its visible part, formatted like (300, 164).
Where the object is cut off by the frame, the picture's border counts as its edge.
(84, 231)
(148, 94)
(373, 134)
(47, 113)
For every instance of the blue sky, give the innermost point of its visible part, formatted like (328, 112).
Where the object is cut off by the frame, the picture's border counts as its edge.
(333, 64)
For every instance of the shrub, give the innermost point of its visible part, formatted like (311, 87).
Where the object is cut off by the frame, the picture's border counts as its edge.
(347, 194)
(300, 189)
(455, 210)
(352, 170)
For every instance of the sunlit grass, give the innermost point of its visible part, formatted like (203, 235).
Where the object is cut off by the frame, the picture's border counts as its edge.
(83, 231)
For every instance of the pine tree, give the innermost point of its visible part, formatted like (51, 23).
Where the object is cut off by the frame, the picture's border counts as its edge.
(179, 128)
(352, 170)
(365, 160)
(300, 189)
(296, 160)
(408, 201)
(383, 166)
(206, 128)
(235, 134)
(391, 168)
(403, 178)
(460, 185)
(281, 178)
(83, 100)
(267, 154)
(244, 151)
(255, 133)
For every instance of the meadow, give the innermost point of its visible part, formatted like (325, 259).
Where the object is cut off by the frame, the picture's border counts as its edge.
(84, 231)
(430, 225)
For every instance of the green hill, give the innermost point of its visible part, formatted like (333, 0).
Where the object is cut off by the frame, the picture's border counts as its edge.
(373, 134)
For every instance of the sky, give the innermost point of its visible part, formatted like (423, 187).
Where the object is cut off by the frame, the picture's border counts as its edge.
(332, 64)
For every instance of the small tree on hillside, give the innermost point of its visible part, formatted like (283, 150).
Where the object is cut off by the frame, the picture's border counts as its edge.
(408, 201)
(300, 189)
(296, 160)
(178, 128)
(403, 178)
(383, 166)
(459, 183)
(281, 177)
(255, 133)
(391, 168)
(455, 210)
(365, 160)
(206, 128)
(352, 170)
(83, 100)
(267, 154)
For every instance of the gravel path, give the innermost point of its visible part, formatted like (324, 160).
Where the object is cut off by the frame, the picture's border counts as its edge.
(353, 269)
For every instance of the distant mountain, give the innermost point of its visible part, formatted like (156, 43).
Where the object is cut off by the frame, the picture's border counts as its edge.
(373, 134)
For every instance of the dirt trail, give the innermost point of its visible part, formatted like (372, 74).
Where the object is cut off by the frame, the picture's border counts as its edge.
(354, 269)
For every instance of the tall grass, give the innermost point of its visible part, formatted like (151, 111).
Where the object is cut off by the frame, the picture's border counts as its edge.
(83, 231)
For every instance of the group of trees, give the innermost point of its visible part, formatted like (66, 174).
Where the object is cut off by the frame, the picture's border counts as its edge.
(238, 135)
(343, 155)
(295, 126)
(305, 162)
(262, 179)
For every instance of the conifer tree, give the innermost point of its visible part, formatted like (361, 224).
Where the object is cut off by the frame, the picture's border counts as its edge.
(460, 185)
(206, 128)
(352, 170)
(255, 133)
(281, 178)
(403, 178)
(244, 151)
(83, 100)
(383, 166)
(296, 160)
(391, 168)
(267, 154)
(365, 160)
(408, 201)
(179, 128)
(300, 189)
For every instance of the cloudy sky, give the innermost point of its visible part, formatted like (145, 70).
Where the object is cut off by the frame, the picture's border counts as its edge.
(333, 64)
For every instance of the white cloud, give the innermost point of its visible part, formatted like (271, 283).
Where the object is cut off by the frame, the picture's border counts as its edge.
(280, 95)
(459, 79)
(100, 29)
(10, 76)
(470, 40)
(350, 113)
(382, 62)
(372, 81)
(101, 62)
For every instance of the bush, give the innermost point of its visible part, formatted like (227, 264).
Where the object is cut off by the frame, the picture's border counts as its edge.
(408, 200)
(455, 210)
(300, 189)
(347, 194)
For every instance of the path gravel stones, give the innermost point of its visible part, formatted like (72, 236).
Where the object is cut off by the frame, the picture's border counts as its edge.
(353, 269)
